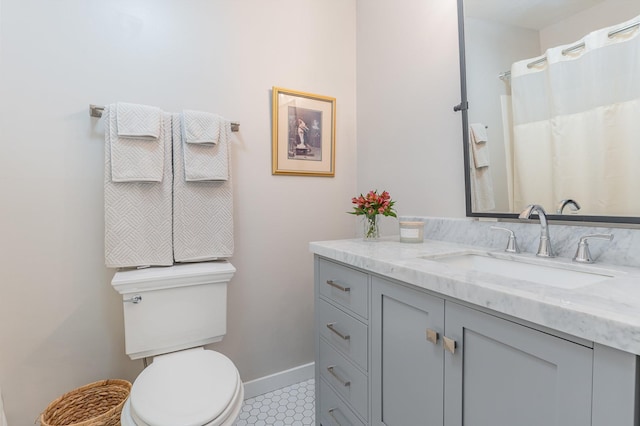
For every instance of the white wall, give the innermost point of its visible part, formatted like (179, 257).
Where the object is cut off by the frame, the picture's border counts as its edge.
(605, 14)
(60, 320)
(490, 49)
(409, 138)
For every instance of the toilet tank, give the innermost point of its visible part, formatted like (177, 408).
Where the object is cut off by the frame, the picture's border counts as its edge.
(167, 309)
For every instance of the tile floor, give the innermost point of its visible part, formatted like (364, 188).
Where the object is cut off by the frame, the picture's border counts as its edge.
(293, 405)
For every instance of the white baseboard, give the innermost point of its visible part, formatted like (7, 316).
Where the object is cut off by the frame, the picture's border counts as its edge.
(279, 380)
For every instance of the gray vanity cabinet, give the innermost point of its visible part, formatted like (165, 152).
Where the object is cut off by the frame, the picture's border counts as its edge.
(390, 354)
(503, 373)
(407, 379)
(488, 371)
(342, 345)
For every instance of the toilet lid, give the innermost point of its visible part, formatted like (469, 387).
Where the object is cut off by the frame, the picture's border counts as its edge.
(189, 388)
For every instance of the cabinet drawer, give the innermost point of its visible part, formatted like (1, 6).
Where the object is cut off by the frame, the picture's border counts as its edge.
(349, 382)
(344, 332)
(332, 411)
(345, 286)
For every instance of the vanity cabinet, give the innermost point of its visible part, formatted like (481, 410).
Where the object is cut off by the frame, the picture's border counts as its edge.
(504, 373)
(342, 345)
(436, 362)
(412, 357)
(407, 360)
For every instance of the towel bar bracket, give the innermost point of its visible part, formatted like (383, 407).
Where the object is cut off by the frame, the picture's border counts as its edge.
(95, 110)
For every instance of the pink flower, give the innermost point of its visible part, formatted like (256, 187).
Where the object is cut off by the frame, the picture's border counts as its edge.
(373, 204)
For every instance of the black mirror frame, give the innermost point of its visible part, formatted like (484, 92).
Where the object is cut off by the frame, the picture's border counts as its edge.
(463, 108)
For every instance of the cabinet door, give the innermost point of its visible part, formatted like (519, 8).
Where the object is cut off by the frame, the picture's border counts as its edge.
(407, 369)
(503, 373)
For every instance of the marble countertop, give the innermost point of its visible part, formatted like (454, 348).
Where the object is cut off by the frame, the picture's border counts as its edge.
(606, 312)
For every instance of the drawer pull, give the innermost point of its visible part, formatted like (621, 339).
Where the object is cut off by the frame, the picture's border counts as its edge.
(432, 336)
(333, 416)
(338, 286)
(340, 335)
(344, 382)
(449, 344)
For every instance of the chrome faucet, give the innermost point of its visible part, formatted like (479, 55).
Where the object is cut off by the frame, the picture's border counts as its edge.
(573, 205)
(544, 248)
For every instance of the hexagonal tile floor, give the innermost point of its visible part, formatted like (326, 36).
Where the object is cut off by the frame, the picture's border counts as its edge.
(293, 405)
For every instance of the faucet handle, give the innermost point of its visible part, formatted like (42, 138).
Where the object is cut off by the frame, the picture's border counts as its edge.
(512, 245)
(582, 254)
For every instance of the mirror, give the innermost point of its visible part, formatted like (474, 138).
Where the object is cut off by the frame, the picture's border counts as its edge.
(551, 107)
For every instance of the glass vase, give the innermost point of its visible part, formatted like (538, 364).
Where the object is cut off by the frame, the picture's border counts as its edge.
(371, 230)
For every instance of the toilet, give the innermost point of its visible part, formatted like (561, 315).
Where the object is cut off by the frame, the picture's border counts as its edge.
(170, 313)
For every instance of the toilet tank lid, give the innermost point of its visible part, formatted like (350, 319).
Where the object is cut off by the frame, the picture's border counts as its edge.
(179, 275)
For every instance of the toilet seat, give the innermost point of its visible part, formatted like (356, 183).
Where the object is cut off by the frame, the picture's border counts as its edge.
(195, 387)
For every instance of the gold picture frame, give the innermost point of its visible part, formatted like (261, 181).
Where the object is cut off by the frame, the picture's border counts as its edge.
(304, 134)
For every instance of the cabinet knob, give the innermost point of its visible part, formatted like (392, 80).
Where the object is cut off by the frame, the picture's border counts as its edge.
(449, 344)
(432, 336)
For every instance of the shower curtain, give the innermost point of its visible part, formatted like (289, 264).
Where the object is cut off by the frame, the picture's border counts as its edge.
(576, 125)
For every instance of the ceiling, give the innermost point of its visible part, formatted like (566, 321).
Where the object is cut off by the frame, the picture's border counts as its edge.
(532, 14)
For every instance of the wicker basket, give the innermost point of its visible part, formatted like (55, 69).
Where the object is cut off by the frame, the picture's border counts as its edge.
(95, 404)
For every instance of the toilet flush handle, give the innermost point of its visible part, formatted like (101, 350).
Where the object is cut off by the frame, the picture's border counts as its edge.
(135, 299)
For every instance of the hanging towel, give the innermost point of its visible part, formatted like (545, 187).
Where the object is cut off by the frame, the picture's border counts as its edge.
(3, 418)
(482, 196)
(137, 214)
(137, 153)
(200, 127)
(138, 121)
(205, 151)
(202, 211)
(479, 141)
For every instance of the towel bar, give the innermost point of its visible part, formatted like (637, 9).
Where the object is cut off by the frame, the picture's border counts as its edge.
(96, 111)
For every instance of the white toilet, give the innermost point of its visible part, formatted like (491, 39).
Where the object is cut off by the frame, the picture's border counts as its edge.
(169, 314)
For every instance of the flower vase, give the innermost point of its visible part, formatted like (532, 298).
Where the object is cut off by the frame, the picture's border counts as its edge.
(371, 230)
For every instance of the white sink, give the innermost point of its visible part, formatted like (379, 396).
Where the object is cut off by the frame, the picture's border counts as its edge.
(553, 275)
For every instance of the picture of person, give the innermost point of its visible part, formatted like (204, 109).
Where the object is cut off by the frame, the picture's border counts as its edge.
(305, 143)
(302, 131)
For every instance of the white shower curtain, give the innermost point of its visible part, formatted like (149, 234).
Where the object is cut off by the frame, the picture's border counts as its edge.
(576, 127)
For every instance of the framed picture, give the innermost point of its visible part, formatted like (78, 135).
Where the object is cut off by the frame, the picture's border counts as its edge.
(304, 134)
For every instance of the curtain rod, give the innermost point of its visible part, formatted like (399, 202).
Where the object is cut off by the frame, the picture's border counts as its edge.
(97, 110)
(581, 45)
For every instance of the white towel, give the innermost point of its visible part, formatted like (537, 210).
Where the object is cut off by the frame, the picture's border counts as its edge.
(482, 196)
(200, 127)
(137, 215)
(479, 132)
(3, 418)
(137, 153)
(138, 121)
(205, 146)
(479, 141)
(202, 211)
